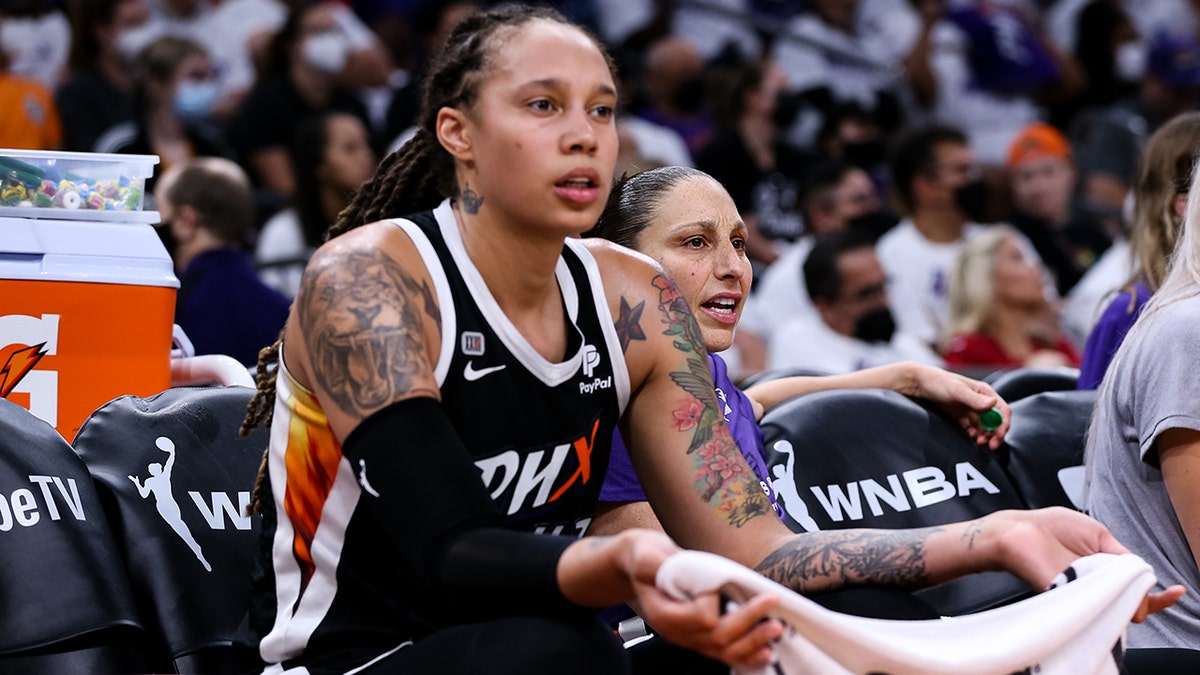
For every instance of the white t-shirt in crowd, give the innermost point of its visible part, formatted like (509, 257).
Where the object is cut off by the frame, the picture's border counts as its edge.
(990, 120)
(1091, 294)
(37, 47)
(713, 24)
(919, 274)
(780, 294)
(656, 142)
(807, 342)
(853, 66)
(281, 254)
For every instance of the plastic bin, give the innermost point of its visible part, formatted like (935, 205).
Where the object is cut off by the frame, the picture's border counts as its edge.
(86, 310)
(75, 186)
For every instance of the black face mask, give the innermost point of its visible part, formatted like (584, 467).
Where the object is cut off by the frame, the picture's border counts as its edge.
(875, 326)
(864, 154)
(875, 222)
(787, 109)
(971, 199)
(689, 94)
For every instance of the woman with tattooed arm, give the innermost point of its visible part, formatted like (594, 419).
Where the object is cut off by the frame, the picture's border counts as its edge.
(688, 223)
(446, 394)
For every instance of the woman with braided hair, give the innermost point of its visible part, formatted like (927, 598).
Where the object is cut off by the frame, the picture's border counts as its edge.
(447, 388)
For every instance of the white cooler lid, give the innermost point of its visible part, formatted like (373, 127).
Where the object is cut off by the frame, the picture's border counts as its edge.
(76, 250)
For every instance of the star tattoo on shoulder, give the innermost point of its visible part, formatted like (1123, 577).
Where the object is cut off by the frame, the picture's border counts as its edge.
(628, 323)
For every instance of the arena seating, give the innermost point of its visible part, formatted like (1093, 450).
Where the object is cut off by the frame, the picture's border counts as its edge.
(1043, 451)
(67, 603)
(177, 478)
(873, 458)
(1014, 385)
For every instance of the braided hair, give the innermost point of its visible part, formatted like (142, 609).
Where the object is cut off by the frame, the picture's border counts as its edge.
(421, 174)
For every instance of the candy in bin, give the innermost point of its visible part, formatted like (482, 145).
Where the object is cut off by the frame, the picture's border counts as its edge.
(12, 191)
(73, 181)
(67, 196)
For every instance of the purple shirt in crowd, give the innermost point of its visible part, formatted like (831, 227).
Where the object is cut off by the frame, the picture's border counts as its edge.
(621, 483)
(1108, 334)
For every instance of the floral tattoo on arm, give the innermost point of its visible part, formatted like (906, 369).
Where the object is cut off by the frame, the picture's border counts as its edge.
(854, 557)
(722, 475)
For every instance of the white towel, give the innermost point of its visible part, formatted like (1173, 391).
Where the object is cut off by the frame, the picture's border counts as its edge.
(1075, 628)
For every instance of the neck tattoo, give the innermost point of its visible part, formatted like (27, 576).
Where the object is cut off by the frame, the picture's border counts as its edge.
(471, 201)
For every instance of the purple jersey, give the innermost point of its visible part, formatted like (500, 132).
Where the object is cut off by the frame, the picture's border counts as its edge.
(621, 483)
(1108, 334)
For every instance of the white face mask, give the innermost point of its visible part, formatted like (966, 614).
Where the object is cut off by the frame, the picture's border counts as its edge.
(1130, 61)
(326, 52)
(194, 100)
(131, 41)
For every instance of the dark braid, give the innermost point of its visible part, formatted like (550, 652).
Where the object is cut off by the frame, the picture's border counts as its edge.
(259, 411)
(419, 175)
(261, 406)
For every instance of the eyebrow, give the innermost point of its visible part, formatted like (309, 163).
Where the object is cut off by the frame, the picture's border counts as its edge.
(559, 83)
(707, 225)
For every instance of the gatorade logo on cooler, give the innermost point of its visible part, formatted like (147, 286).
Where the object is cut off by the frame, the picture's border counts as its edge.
(24, 340)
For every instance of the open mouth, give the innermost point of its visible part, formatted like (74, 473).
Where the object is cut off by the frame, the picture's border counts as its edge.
(578, 189)
(721, 308)
(720, 305)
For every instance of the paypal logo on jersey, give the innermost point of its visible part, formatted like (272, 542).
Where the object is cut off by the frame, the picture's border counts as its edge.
(591, 359)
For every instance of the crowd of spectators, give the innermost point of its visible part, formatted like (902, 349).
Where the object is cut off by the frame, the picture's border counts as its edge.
(912, 125)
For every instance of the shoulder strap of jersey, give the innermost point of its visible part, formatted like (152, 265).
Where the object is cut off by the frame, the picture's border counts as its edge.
(431, 254)
(579, 258)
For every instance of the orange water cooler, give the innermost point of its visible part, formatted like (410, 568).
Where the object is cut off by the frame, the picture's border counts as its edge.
(87, 290)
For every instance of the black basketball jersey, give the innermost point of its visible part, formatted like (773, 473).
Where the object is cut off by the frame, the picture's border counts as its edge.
(540, 433)
(535, 429)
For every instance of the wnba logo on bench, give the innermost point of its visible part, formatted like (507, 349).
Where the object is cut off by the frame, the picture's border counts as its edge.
(215, 509)
(915, 488)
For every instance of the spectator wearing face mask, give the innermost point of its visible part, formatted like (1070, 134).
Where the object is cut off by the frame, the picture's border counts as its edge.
(937, 185)
(1106, 45)
(98, 93)
(1111, 139)
(174, 96)
(302, 79)
(837, 196)
(853, 327)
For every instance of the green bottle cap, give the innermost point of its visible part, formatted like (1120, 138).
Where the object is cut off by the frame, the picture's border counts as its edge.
(991, 419)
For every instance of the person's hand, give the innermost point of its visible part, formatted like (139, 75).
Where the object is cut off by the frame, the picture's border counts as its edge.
(963, 399)
(740, 638)
(1038, 545)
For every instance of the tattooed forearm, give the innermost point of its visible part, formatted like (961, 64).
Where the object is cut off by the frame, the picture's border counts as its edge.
(722, 476)
(363, 329)
(972, 530)
(826, 560)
